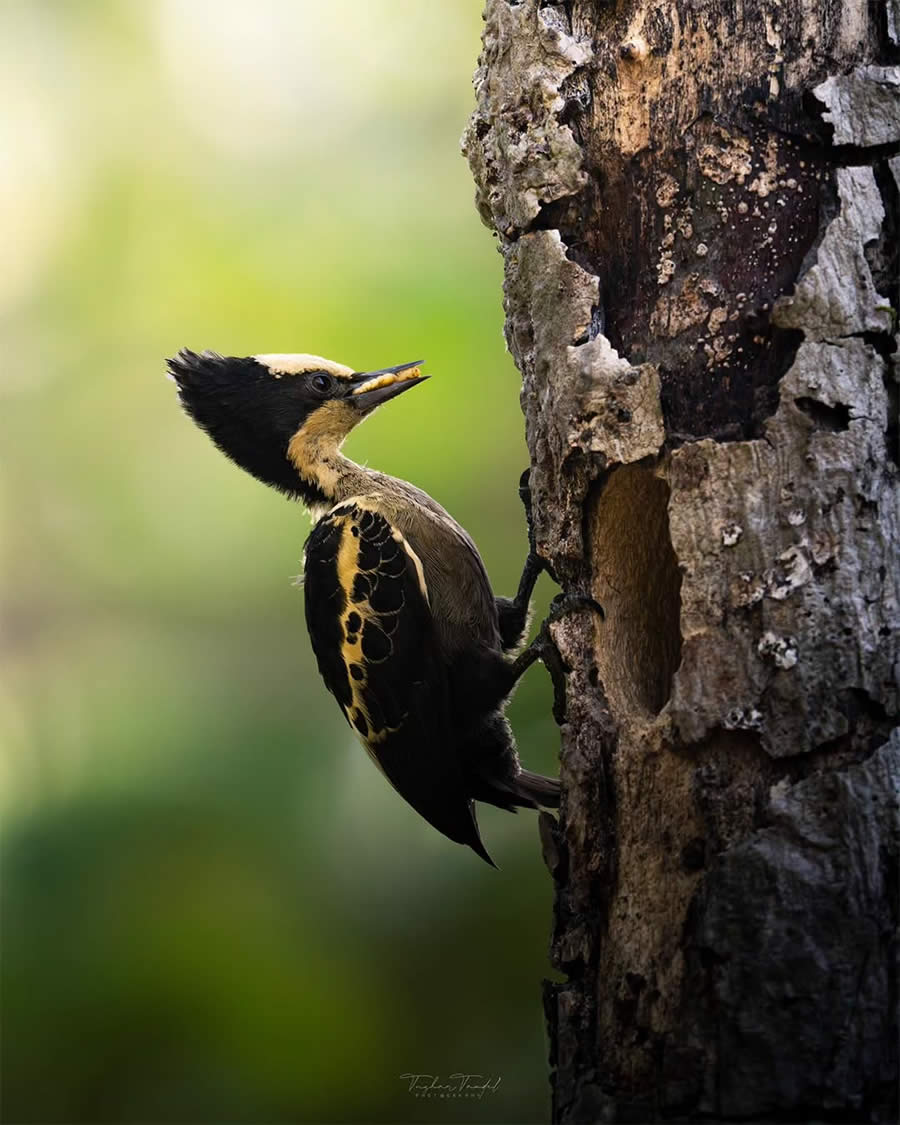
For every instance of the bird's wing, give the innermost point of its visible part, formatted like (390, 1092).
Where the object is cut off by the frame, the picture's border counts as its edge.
(462, 601)
(374, 638)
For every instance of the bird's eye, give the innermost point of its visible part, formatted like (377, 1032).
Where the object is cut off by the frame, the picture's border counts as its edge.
(321, 383)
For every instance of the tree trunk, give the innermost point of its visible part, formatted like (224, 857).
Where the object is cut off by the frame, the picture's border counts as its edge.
(698, 204)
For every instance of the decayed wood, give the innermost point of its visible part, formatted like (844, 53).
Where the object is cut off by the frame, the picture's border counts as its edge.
(698, 206)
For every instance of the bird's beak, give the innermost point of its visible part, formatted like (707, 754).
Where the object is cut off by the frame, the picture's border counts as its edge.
(371, 388)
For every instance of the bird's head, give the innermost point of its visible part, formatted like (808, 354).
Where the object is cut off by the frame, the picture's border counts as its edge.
(283, 417)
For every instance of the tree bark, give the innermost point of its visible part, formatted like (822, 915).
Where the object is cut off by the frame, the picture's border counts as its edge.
(698, 206)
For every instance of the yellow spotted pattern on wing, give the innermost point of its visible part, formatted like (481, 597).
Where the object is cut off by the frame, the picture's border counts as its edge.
(358, 613)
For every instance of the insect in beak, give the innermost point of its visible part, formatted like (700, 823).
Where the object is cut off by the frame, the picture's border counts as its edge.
(371, 388)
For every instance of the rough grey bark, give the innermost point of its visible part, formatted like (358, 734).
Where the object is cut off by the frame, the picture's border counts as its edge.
(698, 206)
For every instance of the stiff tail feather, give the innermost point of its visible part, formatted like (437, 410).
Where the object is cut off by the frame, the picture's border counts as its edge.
(541, 791)
(473, 839)
(526, 790)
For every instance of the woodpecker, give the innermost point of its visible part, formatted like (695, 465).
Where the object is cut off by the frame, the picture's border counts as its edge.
(408, 636)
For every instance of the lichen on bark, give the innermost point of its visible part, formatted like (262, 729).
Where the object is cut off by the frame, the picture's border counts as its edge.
(698, 207)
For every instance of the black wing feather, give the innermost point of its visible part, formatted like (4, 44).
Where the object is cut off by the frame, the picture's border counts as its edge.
(375, 642)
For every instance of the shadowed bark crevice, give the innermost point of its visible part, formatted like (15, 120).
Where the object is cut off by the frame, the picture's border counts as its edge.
(834, 418)
(636, 579)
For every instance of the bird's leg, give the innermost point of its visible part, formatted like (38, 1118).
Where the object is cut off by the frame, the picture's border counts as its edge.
(513, 613)
(544, 648)
(525, 497)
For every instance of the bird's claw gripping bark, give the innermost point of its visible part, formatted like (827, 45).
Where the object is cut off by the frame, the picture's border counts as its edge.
(543, 648)
(564, 604)
(561, 606)
(553, 662)
(525, 497)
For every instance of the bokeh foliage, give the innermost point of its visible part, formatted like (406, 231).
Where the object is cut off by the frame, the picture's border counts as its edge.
(214, 908)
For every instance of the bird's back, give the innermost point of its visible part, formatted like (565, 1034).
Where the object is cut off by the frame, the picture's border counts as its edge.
(459, 591)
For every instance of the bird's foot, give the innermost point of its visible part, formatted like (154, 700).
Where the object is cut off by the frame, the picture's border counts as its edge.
(564, 604)
(525, 497)
(549, 654)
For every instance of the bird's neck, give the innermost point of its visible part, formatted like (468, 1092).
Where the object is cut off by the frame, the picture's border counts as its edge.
(325, 476)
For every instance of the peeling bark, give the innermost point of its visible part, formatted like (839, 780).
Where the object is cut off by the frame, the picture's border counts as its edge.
(698, 206)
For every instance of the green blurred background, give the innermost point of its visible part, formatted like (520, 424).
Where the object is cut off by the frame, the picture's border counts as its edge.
(214, 908)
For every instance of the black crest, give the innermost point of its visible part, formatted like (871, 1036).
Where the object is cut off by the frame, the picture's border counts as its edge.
(248, 411)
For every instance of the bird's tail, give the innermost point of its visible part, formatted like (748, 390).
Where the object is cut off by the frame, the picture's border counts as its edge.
(526, 790)
(540, 791)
